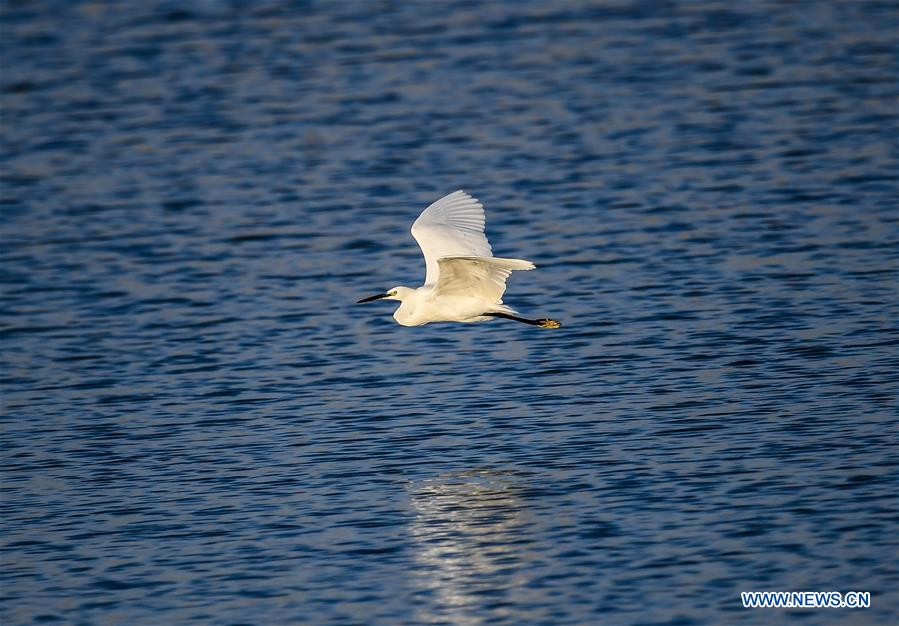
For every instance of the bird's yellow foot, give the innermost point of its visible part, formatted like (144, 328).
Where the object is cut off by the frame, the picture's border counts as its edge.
(549, 324)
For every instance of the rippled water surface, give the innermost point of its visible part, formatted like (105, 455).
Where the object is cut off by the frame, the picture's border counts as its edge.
(199, 426)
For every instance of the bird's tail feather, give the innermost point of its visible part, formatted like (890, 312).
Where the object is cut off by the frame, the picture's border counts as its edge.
(502, 308)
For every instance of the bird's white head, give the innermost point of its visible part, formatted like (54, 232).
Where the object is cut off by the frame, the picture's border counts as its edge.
(396, 293)
(399, 293)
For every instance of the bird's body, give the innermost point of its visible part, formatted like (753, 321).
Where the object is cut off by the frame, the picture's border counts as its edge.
(464, 282)
(472, 286)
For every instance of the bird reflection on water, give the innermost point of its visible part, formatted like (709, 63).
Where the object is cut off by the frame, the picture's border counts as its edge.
(471, 532)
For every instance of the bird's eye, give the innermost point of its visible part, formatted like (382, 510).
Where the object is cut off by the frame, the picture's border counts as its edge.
(392, 293)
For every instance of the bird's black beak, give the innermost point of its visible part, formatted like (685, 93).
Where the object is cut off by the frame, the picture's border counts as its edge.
(373, 298)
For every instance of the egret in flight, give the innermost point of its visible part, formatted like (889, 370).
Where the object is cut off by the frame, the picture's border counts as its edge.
(464, 282)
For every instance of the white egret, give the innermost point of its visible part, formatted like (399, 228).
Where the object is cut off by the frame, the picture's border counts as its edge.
(464, 282)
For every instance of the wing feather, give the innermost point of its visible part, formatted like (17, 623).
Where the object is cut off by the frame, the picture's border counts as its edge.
(451, 226)
(479, 277)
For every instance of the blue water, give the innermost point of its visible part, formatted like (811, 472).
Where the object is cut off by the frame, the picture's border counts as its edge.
(199, 426)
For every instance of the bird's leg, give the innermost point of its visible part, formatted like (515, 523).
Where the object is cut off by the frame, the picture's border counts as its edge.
(542, 323)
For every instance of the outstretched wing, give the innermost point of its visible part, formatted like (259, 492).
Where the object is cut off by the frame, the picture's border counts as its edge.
(479, 277)
(452, 226)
